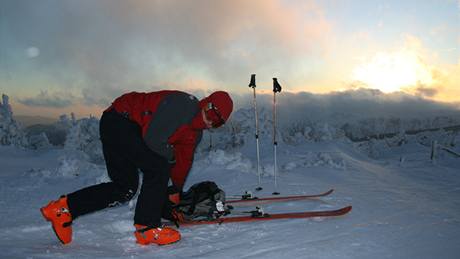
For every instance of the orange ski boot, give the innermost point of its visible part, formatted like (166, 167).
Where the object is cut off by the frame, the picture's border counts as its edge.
(58, 213)
(156, 235)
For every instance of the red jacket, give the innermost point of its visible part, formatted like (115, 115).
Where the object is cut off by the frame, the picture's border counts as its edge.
(165, 118)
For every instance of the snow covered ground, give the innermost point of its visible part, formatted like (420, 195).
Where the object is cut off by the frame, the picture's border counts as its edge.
(404, 205)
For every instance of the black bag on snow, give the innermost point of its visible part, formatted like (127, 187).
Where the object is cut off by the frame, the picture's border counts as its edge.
(202, 200)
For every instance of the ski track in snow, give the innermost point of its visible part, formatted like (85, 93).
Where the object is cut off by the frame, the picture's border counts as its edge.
(400, 210)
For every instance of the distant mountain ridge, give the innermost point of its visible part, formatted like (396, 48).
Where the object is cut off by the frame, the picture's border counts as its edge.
(26, 120)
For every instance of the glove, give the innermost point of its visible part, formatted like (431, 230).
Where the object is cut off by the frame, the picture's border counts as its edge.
(172, 214)
(175, 198)
(174, 194)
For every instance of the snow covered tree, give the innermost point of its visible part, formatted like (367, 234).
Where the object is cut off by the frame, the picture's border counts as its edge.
(65, 122)
(10, 132)
(84, 136)
(39, 141)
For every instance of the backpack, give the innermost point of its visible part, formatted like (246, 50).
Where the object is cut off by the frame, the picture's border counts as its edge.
(203, 200)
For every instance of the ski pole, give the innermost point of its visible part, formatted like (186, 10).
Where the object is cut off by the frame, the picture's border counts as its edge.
(276, 89)
(252, 84)
(210, 141)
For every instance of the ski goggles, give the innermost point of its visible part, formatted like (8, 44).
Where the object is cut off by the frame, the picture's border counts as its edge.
(213, 114)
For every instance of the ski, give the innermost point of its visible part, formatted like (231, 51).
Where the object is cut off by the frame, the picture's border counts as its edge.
(266, 216)
(256, 200)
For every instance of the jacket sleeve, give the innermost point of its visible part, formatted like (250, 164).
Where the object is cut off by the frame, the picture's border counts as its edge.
(175, 110)
(184, 160)
(184, 152)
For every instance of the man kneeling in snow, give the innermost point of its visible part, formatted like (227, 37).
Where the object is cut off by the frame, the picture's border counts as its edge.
(157, 133)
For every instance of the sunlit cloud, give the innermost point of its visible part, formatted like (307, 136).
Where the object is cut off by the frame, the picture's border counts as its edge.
(394, 70)
(45, 99)
(426, 91)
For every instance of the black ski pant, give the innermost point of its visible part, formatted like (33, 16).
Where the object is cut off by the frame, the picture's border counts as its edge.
(125, 152)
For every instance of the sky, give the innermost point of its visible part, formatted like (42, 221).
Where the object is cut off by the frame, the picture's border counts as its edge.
(62, 56)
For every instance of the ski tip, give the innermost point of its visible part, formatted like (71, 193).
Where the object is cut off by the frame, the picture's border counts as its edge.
(329, 192)
(347, 209)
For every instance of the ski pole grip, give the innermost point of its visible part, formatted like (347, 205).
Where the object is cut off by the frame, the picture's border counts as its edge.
(252, 83)
(276, 86)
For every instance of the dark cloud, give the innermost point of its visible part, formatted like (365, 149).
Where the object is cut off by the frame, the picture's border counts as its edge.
(48, 100)
(426, 91)
(348, 106)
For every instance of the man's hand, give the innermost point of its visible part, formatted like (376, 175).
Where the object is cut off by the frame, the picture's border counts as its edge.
(174, 198)
(174, 194)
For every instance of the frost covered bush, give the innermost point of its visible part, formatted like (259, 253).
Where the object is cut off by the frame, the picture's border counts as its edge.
(372, 148)
(73, 167)
(378, 147)
(55, 133)
(65, 122)
(84, 136)
(228, 160)
(389, 127)
(316, 159)
(240, 131)
(38, 141)
(299, 132)
(444, 138)
(10, 132)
